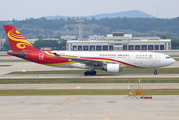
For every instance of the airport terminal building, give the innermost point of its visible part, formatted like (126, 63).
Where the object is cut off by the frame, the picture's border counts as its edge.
(118, 41)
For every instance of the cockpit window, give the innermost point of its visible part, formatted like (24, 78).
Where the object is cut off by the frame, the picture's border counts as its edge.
(167, 57)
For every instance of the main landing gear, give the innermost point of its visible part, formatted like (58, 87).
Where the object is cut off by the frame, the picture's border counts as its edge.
(155, 73)
(90, 73)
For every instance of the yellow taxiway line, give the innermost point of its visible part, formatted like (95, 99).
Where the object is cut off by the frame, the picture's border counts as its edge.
(70, 99)
(78, 87)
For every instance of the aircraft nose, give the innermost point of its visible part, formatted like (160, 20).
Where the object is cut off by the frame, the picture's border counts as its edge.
(173, 60)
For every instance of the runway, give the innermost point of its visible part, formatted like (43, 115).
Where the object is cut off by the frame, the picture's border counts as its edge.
(50, 76)
(91, 107)
(89, 86)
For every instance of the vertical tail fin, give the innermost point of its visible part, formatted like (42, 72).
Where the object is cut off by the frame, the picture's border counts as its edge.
(16, 40)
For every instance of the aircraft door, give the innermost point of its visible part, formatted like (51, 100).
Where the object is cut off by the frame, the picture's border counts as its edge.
(157, 57)
(156, 62)
(132, 57)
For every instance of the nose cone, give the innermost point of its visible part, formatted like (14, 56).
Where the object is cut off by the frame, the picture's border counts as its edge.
(173, 61)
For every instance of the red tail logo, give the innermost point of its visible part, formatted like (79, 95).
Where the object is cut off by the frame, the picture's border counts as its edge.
(16, 40)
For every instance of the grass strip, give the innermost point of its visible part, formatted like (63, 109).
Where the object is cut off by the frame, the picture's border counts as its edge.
(4, 55)
(87, 80)
(86, 92)
(177, 59)
(5, 65)
(174, 55)
(20, 60)
(125, 71)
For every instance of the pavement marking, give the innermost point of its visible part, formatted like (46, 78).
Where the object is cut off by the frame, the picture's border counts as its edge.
(100, 116)
(70, 99)
(57, 106)
(19, 77)
(78, 87)
(103, 76)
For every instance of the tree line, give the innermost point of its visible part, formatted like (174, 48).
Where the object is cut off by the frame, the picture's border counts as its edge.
(168, 28)
(105, 25)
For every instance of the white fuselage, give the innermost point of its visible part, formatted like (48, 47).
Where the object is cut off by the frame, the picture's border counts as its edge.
(125, 59)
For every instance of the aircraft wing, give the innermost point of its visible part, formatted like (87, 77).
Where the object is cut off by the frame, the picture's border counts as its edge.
(84, 60)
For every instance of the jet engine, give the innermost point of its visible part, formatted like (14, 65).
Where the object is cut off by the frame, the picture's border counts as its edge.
(112, 68)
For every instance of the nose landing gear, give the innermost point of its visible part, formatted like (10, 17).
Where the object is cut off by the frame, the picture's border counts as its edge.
(155, 73)
(90, 73)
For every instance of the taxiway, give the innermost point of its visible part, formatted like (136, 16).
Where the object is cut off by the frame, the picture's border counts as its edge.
(89, 107)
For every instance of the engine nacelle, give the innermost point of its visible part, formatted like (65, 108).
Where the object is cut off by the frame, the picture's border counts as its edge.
(112, 68)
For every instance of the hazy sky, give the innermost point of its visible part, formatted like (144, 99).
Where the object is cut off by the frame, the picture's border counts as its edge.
(22, 9)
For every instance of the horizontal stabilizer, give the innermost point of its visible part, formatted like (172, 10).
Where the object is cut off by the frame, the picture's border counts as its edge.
(21, 54)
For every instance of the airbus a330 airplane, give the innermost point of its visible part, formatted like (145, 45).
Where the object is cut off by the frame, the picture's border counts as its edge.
(112, 62)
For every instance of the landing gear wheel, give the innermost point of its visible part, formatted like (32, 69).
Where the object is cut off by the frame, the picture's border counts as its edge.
(93, 73)
(90, 73)
(155, 73)
(86, 73)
